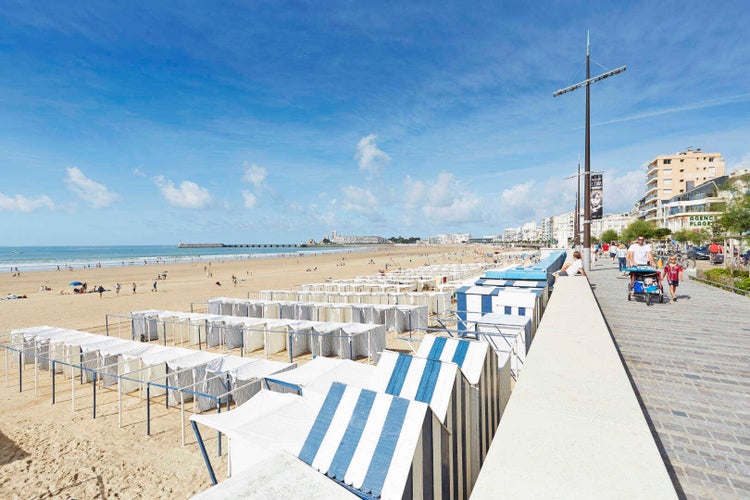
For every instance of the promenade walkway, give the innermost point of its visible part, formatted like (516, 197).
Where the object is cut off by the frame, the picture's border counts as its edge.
(690, 364)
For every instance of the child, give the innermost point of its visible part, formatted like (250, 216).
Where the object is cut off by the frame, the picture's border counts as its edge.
(673, 273)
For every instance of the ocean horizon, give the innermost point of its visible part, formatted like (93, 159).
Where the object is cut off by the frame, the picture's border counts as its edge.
(49, 258)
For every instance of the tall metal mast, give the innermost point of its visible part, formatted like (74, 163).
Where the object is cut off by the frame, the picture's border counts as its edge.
(587, 165)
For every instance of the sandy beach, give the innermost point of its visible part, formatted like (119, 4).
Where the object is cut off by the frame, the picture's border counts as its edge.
(49, 451)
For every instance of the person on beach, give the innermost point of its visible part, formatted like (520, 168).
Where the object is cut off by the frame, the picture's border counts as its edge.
(100, 289)
(673, 273)
(134, 287)
(153, 289)
(117, 288)
(572, 268)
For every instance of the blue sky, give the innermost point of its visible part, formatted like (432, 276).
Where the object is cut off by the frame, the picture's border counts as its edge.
(153, 122)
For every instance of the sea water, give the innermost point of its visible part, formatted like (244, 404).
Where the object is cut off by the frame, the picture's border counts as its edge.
(50, 258)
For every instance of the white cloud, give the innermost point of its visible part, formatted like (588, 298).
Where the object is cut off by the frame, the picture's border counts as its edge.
(188, 195)
(359, 200)
(249, 199)
(371, 158)
(88, 190)
(255, 175)
(139, 172)
(621, 192)
(444, 200)
(20, 203)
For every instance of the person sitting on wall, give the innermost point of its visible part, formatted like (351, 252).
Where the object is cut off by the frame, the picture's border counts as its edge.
(572, 268)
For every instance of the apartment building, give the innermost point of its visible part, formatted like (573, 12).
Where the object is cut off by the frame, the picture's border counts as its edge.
(670, 175)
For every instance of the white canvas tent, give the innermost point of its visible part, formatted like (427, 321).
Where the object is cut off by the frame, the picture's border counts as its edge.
(318, 374)
(267, 424)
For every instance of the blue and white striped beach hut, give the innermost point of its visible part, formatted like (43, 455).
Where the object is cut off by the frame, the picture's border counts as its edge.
(445, 389)
(379, 445)
(489, 388)
(473, 302)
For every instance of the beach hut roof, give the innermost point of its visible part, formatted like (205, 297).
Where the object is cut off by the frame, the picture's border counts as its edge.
(469, 355)
(427, 380)
(365, 439)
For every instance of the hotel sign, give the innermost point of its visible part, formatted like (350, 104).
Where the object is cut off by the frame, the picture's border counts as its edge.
(701, 220)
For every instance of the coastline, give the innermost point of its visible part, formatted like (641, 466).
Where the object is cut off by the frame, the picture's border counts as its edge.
(49, 451)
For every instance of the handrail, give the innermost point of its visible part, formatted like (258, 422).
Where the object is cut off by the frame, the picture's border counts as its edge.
(738, 291)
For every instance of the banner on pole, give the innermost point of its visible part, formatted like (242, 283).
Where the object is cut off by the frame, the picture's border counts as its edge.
(597, 206)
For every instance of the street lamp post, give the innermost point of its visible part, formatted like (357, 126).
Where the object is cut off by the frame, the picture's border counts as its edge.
(587, 168)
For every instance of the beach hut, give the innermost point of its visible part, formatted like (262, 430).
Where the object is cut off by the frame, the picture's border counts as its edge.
(489, 381)
(473, 302)
(245, 380)
(214, 378)
(442, 386)
(180, 373)
(507, 334)
(360, 339)
(379, 445)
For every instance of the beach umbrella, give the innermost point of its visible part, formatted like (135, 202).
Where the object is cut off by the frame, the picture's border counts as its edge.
(75, 283)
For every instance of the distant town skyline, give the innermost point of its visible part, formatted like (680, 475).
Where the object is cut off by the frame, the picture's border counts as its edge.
(281, 121)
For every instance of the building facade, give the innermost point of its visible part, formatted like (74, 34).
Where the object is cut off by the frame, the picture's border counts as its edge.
(671, 175)
(699, 207)
(615, 222)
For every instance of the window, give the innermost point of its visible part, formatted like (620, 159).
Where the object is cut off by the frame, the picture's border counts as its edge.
(681, 160)
(667, 171)
(711, 159)
(522, 311)
(507, 310)
(667, 191)
(712, 171)
(667, 162)
(667, 182)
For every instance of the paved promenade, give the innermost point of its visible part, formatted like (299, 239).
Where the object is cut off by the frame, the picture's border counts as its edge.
(690, 363)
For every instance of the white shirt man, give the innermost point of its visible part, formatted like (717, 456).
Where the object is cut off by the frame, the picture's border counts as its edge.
(639, 253)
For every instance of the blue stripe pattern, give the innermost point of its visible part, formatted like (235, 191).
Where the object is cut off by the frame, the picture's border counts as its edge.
(399, 375)
(486, 304)
(460, 354)
(383, 455)
(427, 382)
(350, 440)
(437, 348)
(322, 423)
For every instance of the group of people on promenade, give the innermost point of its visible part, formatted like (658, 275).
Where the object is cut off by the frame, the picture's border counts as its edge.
(636, 255)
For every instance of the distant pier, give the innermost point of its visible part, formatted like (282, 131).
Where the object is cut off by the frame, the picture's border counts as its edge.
(243, 245)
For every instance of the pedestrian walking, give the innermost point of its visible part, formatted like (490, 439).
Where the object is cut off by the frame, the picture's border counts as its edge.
(154, 287)
(134, 287)
(622, 255)
(673, 273)
(117, 288)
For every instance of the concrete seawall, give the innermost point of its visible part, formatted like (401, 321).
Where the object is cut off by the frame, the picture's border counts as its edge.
(573, 427)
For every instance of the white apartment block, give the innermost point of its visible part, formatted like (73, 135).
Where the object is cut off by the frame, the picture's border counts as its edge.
(615, 222)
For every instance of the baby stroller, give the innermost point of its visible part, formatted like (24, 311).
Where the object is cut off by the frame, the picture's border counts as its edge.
(645, 282)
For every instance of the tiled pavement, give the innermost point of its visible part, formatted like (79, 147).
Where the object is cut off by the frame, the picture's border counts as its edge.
(690, 364)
